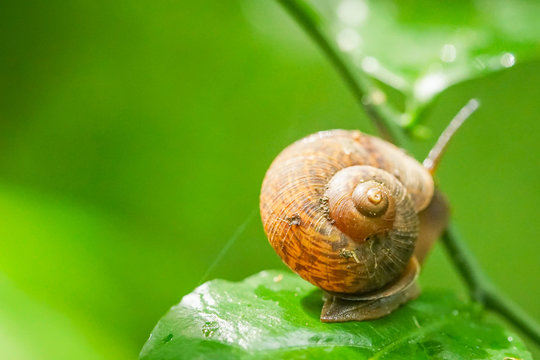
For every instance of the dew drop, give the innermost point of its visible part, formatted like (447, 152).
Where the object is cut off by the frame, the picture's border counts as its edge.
(348, 39)
(352, 12)
(448, 53)
(429, 85)
(370, 64)
(377, 97)
(508, 60)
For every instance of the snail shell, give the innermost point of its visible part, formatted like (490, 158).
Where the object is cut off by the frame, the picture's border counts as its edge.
(341, 209)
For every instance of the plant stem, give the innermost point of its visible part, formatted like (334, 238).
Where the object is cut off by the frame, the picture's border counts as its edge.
(465, 264)
(383, 116)
(482, 289)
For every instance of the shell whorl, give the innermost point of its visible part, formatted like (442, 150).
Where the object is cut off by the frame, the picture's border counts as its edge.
(363, 200)
(340, 208)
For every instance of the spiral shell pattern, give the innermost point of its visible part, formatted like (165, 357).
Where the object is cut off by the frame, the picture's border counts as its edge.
(340, 208)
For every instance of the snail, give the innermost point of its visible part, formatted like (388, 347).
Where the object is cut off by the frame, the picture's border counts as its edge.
(353, 215)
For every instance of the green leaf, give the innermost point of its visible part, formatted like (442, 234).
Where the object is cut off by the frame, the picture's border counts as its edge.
(276, 315)
(421, 47)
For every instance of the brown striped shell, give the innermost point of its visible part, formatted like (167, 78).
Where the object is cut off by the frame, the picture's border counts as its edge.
(341, 209)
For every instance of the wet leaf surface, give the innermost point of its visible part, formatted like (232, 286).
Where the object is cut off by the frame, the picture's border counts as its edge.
(276, 315)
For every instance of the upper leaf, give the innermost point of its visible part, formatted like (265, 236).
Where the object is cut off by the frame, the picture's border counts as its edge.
(421, 47)
(276, 315)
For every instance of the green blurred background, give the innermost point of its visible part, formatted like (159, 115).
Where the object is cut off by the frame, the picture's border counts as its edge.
(134, 137)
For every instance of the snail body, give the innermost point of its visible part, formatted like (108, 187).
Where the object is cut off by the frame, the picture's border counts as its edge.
(341, 209)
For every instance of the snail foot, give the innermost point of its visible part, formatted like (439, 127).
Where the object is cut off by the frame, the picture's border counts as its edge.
(336, 309)
(373, 305)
